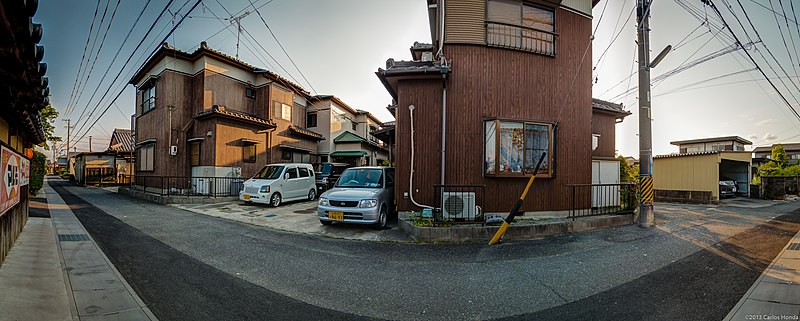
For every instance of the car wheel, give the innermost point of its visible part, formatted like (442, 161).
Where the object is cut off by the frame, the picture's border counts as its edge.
(275, 200)
(325, 222)
(312, 194)
(382, 219)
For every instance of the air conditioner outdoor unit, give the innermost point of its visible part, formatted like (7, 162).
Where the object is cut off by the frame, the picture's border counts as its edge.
(459, 205)
(173, 150)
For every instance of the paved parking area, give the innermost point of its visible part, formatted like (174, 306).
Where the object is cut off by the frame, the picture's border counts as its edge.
(298, 217)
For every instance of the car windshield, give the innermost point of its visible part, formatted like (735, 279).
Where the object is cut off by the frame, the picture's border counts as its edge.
(326, 168)
(727, 183)
(361, 177)
(269, 172)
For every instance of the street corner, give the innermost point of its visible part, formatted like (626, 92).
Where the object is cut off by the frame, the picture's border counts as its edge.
(296, 217)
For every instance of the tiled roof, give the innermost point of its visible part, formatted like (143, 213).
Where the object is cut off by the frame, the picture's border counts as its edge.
(220, 111)
(121, 141)
(609, 106)
(712, 140)
(787, 147)
(306, 132)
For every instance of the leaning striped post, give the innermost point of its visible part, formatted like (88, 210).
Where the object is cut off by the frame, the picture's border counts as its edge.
(510, 218)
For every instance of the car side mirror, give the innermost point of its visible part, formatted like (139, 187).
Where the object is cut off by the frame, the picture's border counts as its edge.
(286, 176)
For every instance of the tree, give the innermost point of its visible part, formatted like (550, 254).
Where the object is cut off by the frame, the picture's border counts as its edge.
(779, 156)
(49, 115)
(627, 173)
(38, 169)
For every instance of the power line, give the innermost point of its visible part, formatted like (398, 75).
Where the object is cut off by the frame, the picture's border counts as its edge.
(91, 50)
(780, 31)
(789, 105)
(165, 39)
(126, 63)
(83, 56)
(281, 46)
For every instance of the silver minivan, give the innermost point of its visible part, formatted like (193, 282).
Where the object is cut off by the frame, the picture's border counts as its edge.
(362, 195)
(278, 183)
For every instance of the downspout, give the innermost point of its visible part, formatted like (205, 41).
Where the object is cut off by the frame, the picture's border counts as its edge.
(444, 126)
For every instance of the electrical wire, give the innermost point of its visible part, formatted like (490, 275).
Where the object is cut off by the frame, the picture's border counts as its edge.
(83, 56)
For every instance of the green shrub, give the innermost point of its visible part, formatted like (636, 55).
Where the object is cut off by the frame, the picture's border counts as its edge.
(38, 170)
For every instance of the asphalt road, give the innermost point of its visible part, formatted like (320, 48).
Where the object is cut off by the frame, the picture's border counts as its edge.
(696, 265)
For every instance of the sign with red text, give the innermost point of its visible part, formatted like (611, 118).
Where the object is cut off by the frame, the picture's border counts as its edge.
(24, 171)
(10, 187)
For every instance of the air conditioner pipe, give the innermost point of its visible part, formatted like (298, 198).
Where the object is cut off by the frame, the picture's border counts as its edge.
(411, 175)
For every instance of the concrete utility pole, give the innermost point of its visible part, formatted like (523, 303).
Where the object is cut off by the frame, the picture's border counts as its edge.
(646, 214)
(68, 132)
(90, 144)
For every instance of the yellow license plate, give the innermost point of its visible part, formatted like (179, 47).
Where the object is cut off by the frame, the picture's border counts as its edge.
(246, 197)
(336, 216)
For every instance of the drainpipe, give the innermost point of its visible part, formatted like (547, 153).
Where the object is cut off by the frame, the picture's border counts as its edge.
(444, 126)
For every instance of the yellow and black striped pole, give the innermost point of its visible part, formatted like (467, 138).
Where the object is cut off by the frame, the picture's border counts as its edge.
(517, 205)
(646, 190)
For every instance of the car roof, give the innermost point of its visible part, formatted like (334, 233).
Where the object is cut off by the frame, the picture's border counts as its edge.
(288, 164)
(371, 167)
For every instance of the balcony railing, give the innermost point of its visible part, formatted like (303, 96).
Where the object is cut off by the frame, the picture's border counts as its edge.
(521, 38)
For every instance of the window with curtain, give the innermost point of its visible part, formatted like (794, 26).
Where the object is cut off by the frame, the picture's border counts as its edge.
(512, 148)
(519, 25)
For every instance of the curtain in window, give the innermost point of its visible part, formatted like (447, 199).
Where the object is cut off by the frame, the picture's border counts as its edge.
(536, 144)
(490, 140)
(512, 143)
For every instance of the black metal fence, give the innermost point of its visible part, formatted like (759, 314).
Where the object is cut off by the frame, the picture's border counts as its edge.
(602, 199)
(459, 203)
(187, 186)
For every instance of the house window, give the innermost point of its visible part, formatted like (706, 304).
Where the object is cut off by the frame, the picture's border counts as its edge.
(311, 120)
(286, 112)
(517, 25)
(194, 153)
(354, 125)
(248, 152)
(148, 96)
(512, 148)
(595, 141)
(250, 93)
(146, 156)
(286, 155)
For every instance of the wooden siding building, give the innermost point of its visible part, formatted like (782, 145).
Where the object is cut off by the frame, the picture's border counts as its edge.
(206, 114)
(503, 75)
(25, 92)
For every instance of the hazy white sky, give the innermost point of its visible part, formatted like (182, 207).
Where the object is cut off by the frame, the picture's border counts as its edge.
(338, 45)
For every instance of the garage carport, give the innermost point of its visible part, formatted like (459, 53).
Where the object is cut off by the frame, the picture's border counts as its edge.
(694, 177)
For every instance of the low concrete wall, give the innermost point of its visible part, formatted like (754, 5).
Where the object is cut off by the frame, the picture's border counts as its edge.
(514, 232)
(691, 197)
(175, 199)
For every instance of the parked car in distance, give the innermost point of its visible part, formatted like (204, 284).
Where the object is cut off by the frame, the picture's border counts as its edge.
(362, 195)
(328, 174)
(278, 183)
(727, 187)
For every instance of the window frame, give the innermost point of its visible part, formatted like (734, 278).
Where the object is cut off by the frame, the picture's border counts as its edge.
(309, 117)
(522, 27)
(245, 147)
(550, 172)
(152, 167)
(147, 87)
(250, 92)
(283, 112)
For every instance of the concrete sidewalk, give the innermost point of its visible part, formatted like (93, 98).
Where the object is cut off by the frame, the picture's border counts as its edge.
(56, 271)
(776, 293)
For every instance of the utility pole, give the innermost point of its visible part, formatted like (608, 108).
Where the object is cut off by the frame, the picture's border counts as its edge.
(90, 143)
(646, 213)
(68, 133)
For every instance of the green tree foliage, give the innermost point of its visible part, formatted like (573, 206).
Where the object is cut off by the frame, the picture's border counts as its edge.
(49, 115)
(38, 169)
(778, 165)
(627, 173)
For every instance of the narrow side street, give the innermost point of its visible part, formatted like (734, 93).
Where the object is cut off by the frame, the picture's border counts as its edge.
(699, 262)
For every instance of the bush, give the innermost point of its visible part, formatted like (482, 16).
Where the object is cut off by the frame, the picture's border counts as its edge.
(38, 170)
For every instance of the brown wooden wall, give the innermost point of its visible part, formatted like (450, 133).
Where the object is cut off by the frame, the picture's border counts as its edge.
(604, 125)
(228, 137)
(493, 82)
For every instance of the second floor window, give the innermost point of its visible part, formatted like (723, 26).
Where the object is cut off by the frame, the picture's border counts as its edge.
(518, 25)
(148, 94)
(250, 93)
(311, 120)
(286, 112)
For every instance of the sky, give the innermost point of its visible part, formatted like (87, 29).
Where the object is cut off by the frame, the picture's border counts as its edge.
(337, 45)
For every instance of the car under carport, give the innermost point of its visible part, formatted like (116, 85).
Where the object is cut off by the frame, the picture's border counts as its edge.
(694, 177)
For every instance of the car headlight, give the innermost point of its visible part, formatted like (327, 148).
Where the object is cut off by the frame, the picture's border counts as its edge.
(323, 201)
(368, 203)
(265, 189)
